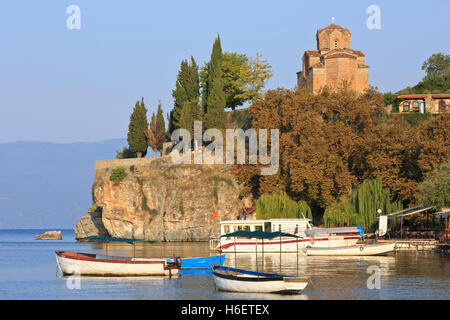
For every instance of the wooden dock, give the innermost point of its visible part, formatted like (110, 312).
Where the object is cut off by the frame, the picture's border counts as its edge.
(418, 244)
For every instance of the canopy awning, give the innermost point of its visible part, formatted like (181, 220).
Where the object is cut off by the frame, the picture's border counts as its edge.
(258, 234)
(313, 232)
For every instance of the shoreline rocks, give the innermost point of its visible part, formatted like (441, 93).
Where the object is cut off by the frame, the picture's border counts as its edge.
(160, 201)
(49, 235)
(90, 225)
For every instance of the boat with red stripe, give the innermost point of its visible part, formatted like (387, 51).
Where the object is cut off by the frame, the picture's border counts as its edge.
(308, 236)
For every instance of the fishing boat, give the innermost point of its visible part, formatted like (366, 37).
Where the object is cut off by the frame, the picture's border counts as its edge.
(356, 250)
(103, 265)
(319, 237)
(100, 265)
(240, 280)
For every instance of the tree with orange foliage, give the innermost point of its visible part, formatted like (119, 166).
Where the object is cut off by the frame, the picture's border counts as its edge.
(336, 139)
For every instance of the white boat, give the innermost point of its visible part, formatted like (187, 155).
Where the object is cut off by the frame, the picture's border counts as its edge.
(355, 250)
(319, 237)
(238, 280)
(70, 263)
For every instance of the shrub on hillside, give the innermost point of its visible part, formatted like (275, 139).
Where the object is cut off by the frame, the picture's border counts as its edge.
(117, 175)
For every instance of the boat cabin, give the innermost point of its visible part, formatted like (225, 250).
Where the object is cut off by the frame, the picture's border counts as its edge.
(293, 226)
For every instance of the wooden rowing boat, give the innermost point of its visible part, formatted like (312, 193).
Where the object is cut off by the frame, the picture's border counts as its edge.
(356, 250)
(70, 263)
(239, 280)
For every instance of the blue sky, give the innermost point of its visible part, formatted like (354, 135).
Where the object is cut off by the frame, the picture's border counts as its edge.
(64, 85)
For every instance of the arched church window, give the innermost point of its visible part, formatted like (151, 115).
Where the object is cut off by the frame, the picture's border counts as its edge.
(406, 106)
(442, 106)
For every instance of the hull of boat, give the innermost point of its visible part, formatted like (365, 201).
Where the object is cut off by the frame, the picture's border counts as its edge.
(238, 280)
(356, 250)
(71, 263)
(202, 262)
(287, 245)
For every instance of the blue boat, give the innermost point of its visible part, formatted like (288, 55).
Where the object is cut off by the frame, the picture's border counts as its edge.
(202, 262)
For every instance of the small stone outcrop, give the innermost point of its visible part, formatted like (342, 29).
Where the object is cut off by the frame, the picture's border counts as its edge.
(49, 235)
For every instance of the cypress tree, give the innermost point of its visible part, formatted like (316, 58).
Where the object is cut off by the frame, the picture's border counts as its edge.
(191, 112)
(137, 130)
(161, 128)
(213, 99)
(187, 89)
(152, 135)
(156, 132)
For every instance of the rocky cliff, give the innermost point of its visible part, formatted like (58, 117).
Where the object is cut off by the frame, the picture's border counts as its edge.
(159, 200)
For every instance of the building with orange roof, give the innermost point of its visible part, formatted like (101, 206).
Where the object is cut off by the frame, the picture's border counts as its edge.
(427, 102)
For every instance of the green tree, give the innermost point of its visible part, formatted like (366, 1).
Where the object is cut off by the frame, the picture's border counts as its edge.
(244, 77)
(279, 205)
(361, 207)
(435, 189)
(137, 130)
(191, 112)
(437, 65)
(213, 95)
(125, 154)
(187, 90)
(391, 99)
(161, 128)
(156, 132)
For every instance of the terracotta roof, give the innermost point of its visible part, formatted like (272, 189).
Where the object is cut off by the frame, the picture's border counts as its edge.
(349, 51)
(441, 95)
(357, 52)
(340, 55)
(331, 27)
(412, 96)
(312, 53)
(423, 96)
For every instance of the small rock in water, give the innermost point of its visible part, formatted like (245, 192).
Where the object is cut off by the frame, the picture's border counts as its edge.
(49, 235)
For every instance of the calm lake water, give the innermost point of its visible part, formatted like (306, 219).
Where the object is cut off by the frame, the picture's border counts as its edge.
(28, 271)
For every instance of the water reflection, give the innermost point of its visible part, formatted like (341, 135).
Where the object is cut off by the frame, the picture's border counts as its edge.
(404, 275)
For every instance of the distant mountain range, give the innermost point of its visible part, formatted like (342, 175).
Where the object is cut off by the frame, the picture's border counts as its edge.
(48, 185)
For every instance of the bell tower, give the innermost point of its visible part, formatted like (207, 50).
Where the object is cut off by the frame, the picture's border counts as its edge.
(333, 37)
(334, 63)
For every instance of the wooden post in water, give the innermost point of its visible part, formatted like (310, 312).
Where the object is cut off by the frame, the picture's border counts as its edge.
(262, 254)
(220, 250)
(235, 256)
(296, 240)
(280, 253)
(256, 250)
(401, 228)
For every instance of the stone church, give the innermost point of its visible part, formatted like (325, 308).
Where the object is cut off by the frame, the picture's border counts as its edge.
(333, 63)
